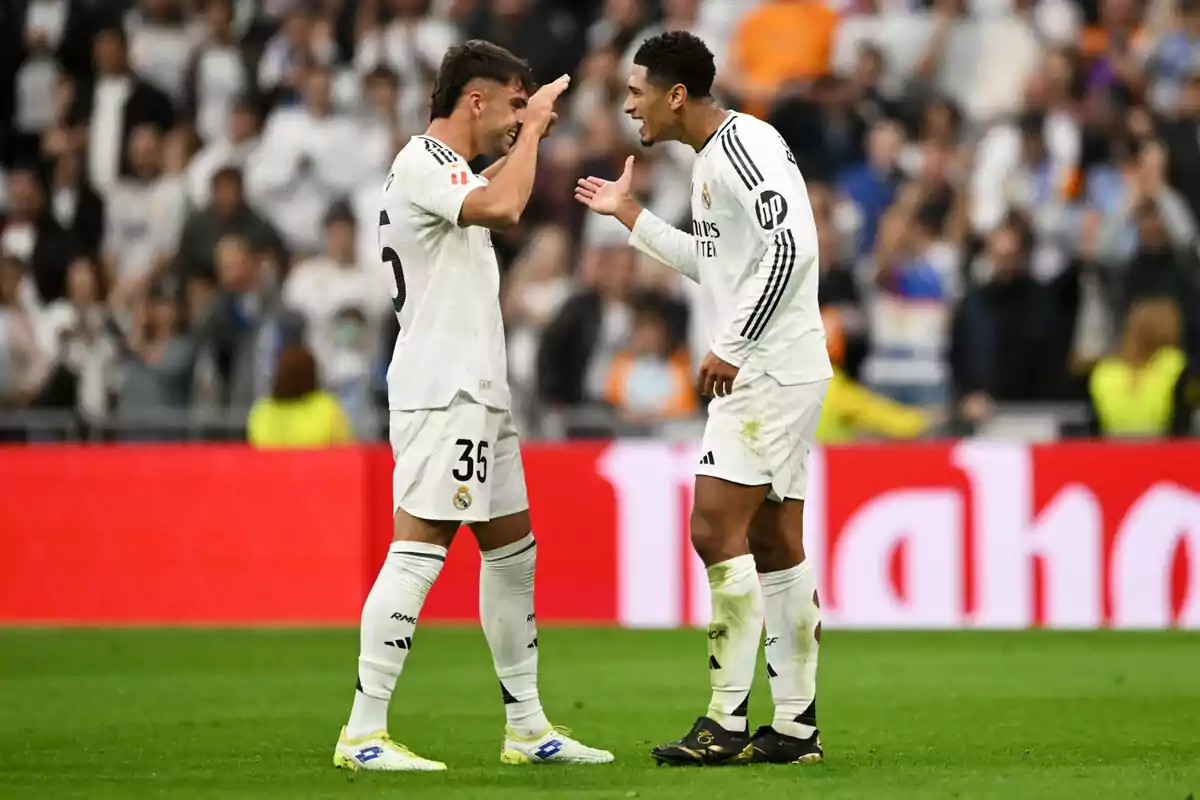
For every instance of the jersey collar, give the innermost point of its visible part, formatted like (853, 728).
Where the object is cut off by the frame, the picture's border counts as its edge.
(728, 121)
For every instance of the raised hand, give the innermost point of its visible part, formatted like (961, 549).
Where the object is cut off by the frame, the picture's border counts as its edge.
(606, 197)
(539, 112)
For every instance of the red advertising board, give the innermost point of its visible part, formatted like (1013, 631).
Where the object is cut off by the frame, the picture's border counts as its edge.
(967, 534)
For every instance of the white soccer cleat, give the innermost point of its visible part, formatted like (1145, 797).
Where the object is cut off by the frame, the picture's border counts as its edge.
(377, 752)
(554, 746)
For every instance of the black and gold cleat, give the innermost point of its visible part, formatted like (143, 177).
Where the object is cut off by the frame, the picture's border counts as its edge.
(769, 746)
(707, 743)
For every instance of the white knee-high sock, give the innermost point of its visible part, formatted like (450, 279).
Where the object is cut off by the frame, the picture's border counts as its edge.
(733, 636)
(506, 613)
(389, 618)
(793, 638)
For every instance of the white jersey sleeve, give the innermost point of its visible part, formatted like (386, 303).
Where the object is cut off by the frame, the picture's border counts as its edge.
(666, 244)
(776, 220)
(444, 178)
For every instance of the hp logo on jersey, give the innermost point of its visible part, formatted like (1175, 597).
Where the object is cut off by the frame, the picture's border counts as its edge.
(771, 209)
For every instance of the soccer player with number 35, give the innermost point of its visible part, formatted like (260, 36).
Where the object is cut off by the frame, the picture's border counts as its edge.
(455, 445)
(753, 250)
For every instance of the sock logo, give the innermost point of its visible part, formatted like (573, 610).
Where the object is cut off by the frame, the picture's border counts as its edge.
(532, 645)
(529, 618)
(403, 644)
(547, 749)
(404, 618)
(715, 633)
(770, 641)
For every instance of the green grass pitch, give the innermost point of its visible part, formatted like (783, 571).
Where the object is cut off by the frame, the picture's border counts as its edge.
(103, 714)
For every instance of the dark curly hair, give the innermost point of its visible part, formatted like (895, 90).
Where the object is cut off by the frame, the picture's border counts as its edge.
(469, 61)
(678, 57)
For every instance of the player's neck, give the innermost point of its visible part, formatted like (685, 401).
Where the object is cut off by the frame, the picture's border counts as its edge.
(700, 122)
(454, 135)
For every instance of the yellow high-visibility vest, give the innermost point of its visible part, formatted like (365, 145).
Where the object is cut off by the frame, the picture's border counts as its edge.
(1132, 401)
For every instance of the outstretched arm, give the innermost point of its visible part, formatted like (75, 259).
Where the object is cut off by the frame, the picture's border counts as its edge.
(650, 234)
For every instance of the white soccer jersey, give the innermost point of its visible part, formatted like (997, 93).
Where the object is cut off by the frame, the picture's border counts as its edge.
(447, 284)
(753, 250)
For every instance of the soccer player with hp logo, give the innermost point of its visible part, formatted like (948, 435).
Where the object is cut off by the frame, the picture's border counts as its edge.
(753, 250)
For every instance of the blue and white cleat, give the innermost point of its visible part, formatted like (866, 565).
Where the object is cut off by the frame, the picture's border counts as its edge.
(555, 746)
(377, 752)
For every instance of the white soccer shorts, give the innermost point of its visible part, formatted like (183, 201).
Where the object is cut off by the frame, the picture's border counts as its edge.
(462, 462)
(762, 432)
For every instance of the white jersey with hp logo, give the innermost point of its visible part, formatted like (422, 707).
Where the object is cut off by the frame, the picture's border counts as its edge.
(753, 249)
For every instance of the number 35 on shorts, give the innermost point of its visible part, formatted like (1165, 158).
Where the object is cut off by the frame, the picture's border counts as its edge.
(472, 464)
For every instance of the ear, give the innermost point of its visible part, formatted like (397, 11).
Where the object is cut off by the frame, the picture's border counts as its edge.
(677, 96)
(474, 101)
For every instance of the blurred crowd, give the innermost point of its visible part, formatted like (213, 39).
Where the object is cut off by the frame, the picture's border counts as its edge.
(1006, 192)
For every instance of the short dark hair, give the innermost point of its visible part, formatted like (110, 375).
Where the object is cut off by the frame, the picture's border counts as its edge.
(470, 61)
(678, 57)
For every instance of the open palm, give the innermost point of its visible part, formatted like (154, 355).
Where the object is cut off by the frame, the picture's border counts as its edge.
(605, 197)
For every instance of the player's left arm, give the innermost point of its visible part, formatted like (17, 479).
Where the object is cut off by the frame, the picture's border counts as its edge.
(761, 173)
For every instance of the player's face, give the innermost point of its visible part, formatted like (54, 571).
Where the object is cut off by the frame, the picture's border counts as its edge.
(651, 106)
(501, 112)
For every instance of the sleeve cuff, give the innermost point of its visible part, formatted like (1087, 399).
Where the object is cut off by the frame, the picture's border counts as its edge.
(736, 355)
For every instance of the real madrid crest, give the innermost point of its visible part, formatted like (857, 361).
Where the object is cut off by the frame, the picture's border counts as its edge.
(462, 498)
(705, 197)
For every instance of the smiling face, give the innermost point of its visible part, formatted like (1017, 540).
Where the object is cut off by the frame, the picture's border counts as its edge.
(652, 106)
(499, 111)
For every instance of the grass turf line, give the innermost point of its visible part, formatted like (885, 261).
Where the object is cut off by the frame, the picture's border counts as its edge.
(104, 714)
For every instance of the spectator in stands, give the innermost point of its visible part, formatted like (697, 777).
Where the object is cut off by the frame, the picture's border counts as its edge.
(288, 56)
(158, 361)
(75, 205)
(1120, 191)
(145, 216)
(118, 103)
(917, 276)
(163, 39)
(75, 333)
(298, 413)
(651, 379)
(837, 290)
(244, 325)
(231, 148)
(537, 286)
(228, 214)
(873, 185)
(410, 44)
(779, 41)
(1002, 347)
(579, 344)
(342, 303)
(31, 233)
(308, 155)
(218, 78)
(23, 364)
(1146, 387)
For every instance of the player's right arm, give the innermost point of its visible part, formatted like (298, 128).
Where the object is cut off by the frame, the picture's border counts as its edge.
(650, 234)
(498, 203)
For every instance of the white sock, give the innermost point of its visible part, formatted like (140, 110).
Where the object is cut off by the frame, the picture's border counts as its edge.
(733, 636)
(506, 613)
(389, 618)
(793, 638)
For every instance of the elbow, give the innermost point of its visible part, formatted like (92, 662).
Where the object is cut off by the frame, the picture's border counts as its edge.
(505, 218)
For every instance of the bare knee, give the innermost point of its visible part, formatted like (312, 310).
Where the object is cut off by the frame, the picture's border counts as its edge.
(407, 528)
(777, 536)
(715, 536)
